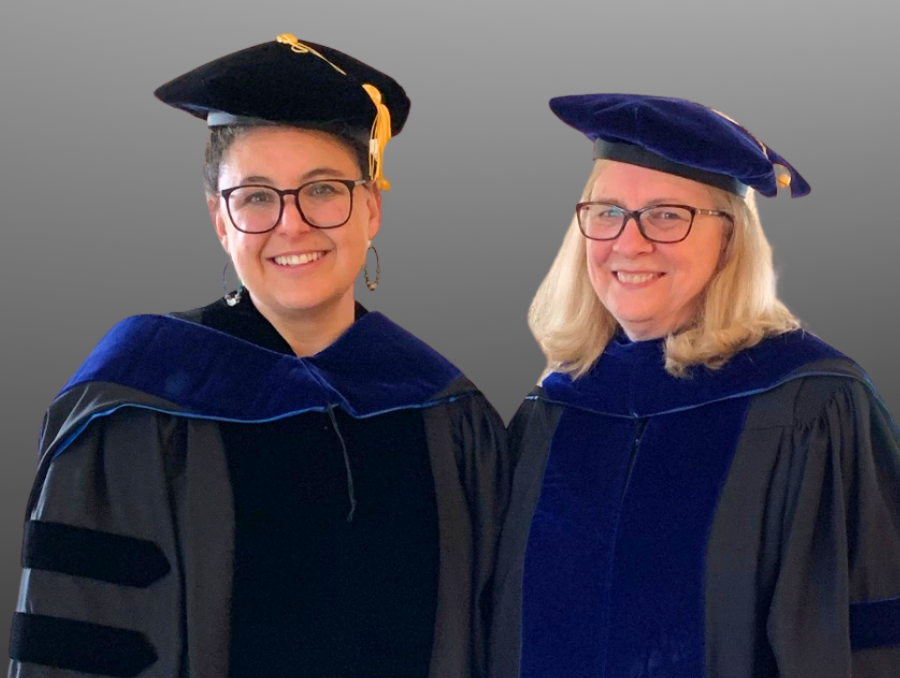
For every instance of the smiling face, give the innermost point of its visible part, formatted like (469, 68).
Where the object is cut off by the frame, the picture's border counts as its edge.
(651, 288)
(295, 269)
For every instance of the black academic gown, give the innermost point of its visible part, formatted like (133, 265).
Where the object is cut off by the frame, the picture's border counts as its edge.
(741, 523)
(209, 505)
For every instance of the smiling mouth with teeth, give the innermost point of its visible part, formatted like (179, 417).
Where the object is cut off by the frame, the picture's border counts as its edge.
(299, 259)
(636, 277)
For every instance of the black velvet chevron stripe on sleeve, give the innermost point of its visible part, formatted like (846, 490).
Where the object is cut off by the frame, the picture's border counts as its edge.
(81, 552)
(79, 646)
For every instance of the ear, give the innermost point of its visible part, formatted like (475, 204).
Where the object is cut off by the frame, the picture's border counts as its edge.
(219, 220)
(725, 248)
(728, 229)
(373, 203)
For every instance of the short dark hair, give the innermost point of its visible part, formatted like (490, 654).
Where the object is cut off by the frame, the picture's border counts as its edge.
(221, 139)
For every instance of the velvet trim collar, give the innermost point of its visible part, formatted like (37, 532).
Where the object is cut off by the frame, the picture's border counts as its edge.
(629, 379)
(374, 367)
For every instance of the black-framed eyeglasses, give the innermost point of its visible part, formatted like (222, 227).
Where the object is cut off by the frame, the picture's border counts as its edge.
(324, 203)
(657, 223)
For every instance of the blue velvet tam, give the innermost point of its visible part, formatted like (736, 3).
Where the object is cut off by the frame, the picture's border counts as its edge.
(678, 137)
(296, 83)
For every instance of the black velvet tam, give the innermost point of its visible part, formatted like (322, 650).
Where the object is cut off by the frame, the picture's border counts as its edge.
(290, 81)
(678, 137)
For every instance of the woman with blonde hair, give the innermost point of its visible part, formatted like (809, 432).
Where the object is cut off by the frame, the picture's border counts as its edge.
(701, 487)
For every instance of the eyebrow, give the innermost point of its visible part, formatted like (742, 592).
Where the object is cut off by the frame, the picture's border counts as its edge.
(655, 201)
(310, 175)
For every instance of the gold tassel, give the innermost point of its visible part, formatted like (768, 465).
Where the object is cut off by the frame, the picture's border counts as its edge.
(300, 48)
(381, 126)
(784, 176)
(378, 138)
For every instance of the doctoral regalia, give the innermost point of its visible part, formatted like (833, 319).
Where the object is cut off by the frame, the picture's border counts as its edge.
(736, 523)
(208, 504)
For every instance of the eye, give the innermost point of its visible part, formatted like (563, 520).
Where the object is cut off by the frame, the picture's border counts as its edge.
(248, 197)
(610, 212)
(322, 190)
(668, 216)
(602, 215)
(259, 197)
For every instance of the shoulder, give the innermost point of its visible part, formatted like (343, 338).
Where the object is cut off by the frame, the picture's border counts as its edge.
(156, 354)
(377, 337)
(825, 381)
(203, 314)
(131, 345)
(801, 400)
(533, 426)
(134, 332)
(537, 409)
(466, 410)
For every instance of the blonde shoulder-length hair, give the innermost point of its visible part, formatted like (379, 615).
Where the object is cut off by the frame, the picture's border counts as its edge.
(739, 306)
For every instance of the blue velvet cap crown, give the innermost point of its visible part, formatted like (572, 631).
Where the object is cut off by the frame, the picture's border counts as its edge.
(678, 137)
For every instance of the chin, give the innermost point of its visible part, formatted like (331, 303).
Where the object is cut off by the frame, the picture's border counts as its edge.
(304, 300)
(633, 316)
(303, 304)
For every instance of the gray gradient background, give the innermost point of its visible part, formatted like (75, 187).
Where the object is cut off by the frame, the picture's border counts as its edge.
(104, 217)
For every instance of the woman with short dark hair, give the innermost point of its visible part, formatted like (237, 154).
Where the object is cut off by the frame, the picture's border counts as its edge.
(281, 483)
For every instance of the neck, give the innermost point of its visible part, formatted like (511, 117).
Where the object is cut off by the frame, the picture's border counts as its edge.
(310, 331)
(659, 328)
(638, 333)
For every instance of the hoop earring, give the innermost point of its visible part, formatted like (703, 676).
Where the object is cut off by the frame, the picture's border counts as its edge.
(372, 285)
(231, 298)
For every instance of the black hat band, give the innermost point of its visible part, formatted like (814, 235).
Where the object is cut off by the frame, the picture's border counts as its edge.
(638, 155)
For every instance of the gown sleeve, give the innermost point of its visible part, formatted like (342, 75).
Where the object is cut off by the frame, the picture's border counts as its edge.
(486, 467)
(101, 591)
(530, 433)
(835, 606)
(468, 450)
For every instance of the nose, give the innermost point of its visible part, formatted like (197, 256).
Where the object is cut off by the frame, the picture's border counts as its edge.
(631, 241)
(291, 219)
